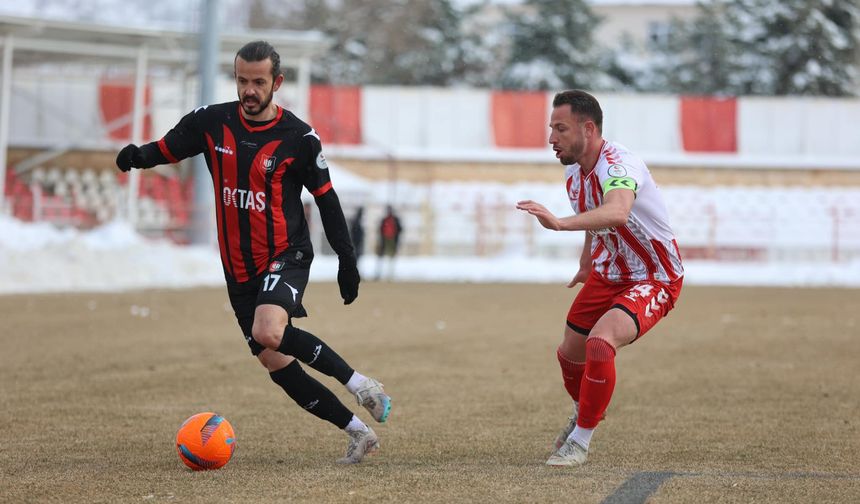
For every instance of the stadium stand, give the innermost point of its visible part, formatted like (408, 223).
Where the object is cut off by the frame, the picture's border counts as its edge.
(89, 197)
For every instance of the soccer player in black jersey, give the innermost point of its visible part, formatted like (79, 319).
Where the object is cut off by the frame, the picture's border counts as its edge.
(260, 157)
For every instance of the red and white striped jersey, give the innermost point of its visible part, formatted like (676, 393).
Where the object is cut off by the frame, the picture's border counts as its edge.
(645, 247)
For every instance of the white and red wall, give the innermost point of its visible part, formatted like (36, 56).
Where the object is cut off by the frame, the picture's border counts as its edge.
(436, 121)
(445, 119)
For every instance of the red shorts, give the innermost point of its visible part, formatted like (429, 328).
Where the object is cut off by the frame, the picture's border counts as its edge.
(646, 301)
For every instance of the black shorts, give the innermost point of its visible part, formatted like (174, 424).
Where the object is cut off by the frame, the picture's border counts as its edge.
(283, 284)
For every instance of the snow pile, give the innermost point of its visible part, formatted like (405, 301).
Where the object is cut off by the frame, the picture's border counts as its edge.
(41, 258)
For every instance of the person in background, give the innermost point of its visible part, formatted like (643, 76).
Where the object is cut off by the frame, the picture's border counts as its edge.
(389, 242)
(356, 232)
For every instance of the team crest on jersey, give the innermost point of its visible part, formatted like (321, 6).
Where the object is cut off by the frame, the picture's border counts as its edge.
(269, 163)
(321, 162)
(276, 266)
(617, 170)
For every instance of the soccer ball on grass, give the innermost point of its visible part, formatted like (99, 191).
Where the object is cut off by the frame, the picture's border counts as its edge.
(205, 441)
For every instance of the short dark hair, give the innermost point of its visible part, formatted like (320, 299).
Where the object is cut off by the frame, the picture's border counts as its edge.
(581, 103)
(260, 50)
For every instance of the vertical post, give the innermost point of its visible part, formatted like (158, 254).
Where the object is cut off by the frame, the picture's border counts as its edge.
(303, 85)
(711, 249)
(834, 254)
(202, 208)
(392, 179)
(5, 104)
(36, 189)
(531, 245)
(138, 113)
(428, 220)
(480, 227)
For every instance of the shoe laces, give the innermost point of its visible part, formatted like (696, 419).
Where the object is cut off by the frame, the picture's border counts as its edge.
(370, 387)
(569, 448)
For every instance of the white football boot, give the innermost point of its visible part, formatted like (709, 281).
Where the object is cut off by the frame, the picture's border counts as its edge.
(361, 443)
(571, 423)
(372, 396)
(570, 454)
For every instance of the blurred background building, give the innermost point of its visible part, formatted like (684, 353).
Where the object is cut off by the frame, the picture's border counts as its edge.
(643, 23)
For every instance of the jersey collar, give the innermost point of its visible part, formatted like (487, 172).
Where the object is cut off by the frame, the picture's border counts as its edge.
(264, 126)
(596, 161)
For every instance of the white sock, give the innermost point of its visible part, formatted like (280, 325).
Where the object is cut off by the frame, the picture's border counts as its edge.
(581, 436)
(354, 382)
(355, 425)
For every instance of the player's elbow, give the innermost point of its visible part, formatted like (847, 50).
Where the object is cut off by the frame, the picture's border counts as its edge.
(618, 216)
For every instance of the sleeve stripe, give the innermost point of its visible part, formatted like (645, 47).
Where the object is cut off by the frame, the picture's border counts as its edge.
(162, 146)
(322, 190)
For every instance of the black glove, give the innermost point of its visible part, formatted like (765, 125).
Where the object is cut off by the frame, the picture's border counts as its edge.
(348, 279)
(128, 157)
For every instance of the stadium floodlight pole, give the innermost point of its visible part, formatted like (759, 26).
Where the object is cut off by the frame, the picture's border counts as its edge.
(137, 117)
(201, 228)
(5, 105)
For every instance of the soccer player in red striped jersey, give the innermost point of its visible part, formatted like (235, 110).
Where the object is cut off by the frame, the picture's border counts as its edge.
(630, 265)
(260, 157)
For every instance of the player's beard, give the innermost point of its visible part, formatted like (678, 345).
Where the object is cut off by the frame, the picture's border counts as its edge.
(252, 107)
(574, 154)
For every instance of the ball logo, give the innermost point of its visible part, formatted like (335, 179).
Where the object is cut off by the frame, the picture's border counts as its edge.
(269, 163)
(242, 198)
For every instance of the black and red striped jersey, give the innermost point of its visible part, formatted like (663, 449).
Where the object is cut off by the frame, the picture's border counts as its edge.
(258, 172)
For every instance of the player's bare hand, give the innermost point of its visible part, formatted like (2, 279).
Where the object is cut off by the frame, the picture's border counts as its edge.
(546, 218)
(580, 277)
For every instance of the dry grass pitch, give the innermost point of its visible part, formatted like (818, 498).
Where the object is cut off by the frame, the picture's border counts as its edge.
(741, 395)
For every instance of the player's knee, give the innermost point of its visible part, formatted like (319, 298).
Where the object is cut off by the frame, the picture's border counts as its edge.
(573, 348)
(614, 338)
(599, 349)
(268, 333)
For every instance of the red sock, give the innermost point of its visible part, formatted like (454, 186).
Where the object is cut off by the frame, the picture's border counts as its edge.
(598, 382)
(571, 373)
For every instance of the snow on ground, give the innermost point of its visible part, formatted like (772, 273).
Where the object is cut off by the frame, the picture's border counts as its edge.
(41, 258)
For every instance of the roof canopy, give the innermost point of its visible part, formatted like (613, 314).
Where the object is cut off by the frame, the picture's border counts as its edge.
(46, 40)
(27, 41)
